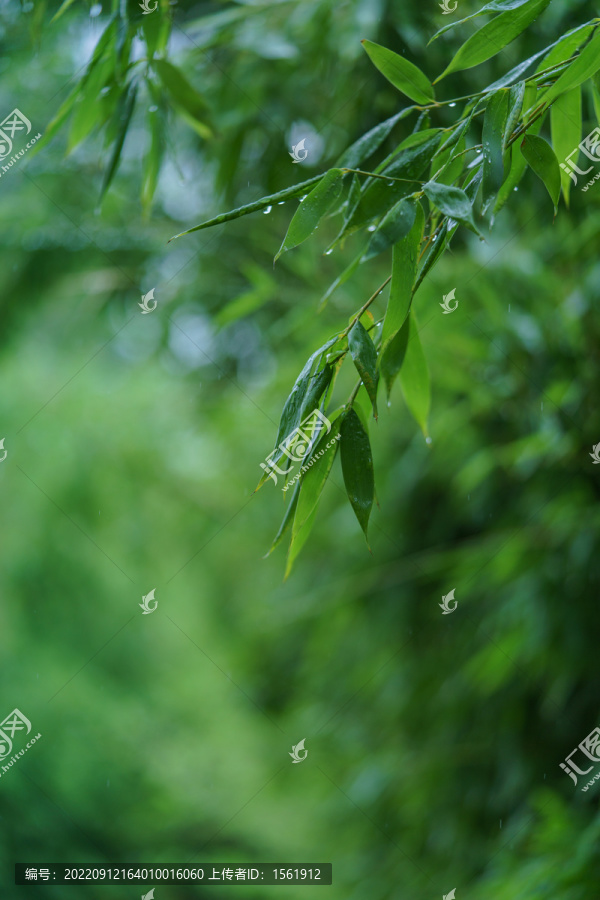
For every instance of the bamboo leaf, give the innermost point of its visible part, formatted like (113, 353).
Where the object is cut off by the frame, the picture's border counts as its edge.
(515, 105)
(314, 479)
(186, 98)
(311, 211)
(540, 156)
(287, 519)
(287, 194)
(582, 68)
(364, 356)
(565, 127)
(123, 118)
(414, 377)
(518, 165)
(366, 145)
(452, 201)
(404, 75)
(494, 35)
(395, 225)
(494, 124)
(495, 6)
(357, 467)
(404, 266)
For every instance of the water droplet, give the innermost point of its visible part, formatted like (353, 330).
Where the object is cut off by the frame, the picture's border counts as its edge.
(95, 10)
(451, 105)
(267, 210)
(515, 189)
(328, 252)
(390, 184)
(389, 403)
(281, 202)
(428, 440)
(302, 199)
(371, 227)
(152, 108)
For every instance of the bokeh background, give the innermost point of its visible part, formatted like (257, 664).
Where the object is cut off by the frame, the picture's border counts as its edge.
(134, 444)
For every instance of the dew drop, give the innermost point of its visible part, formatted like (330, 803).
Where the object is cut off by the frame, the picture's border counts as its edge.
(390, 184)
(428, 440)
(267, 210)
(302, 199)
(152, 108)
(328, 252)
(389, 403)
(371, 227)
(95, 10)
(451, 105)
(515, 189)
(281, 202)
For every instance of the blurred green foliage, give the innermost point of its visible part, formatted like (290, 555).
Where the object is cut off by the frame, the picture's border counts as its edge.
(134, 445)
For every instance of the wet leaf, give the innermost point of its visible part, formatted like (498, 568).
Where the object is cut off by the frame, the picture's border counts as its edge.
(494, 35)
(494, 124)
(366, 145)
(452, 201)
(123, 118)
(414, 377)
(364, 357)
(404, 266)
(314, 479)
(311, 211)
(582, 68)
(495, 6)
(540, 156)
(565, 126)
(404, 75)
(395, 225)
(515, 105)
(357, 467)
(287, 519)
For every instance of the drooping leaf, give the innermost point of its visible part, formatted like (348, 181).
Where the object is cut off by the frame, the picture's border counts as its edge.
(540, 156)
(313, 480)
(364, 357)
(62, 9)
(85, 116)
(192, 106)
(515, 105)
(157, 126)
(404, 266)
(287, 194)
(366, 145)
(494, 124)
(518, 165)
(298, 541)
(311, 211)
(395, 225)
(565, 46)
(582, 68)
(357, 467)
(414, 377)
(123, 118)
(403, 74)
(287, 519)
(494, 35)
(448, 166)
(452, 201)
(565, 127)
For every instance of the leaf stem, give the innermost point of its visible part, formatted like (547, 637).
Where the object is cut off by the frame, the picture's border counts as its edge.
(385, 177)
(365, 307)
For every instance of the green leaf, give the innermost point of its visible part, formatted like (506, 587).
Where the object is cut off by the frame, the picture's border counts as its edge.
(395, 225)
(515, 105)
(122, 118)
(448, 166)
(566, 46)
(86, 116)
(494, 124)
(341, 279)
(518, 165)
(403, 74)
(156, 126)
(364, 356)
(313, 480)
(494, 35)
(288, 193)
(287, 519)
(298, 541)
(540, 156)
(582, 68)
(495, 6)
(62, 9)
(414, 377)
(186, 98)
(452, 201)
(311, 211)
(404, 266)
(565, 127)
(357, 467)
(366, 145)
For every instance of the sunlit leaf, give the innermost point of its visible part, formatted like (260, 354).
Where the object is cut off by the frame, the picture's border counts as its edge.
(311, 211)
(540, 156)
(357, 467)
(403, 74)
(364, 357)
